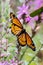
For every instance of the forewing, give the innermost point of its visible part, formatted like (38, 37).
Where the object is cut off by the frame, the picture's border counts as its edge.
(17, 22)
(15, 29)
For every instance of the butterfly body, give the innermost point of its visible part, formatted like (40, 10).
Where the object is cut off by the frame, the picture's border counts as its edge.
(23, 37)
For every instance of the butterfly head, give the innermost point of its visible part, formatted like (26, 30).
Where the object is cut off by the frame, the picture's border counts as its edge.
(12, 15)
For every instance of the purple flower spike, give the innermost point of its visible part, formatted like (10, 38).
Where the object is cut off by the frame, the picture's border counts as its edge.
(35, 18)
(32, 23)
(38, 4)
(1, 63)
(27, 19)
(22, 10)
(6, 63)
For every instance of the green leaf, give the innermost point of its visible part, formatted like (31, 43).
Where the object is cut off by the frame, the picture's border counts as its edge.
(37, 12)
(33, 63)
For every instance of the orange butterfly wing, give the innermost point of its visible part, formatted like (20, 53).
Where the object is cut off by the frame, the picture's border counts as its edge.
(22, 39)
(15, 29)
(30, 42)
(15, 20)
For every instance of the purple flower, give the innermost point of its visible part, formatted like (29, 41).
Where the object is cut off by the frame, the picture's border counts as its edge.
(35, 18)
(27, 19)
(29, 3)
(41, 15)
(38, 4)
(32, 23)
(6, 63)
(3, 40)
(22, 10)
(12, 62)
(1, 63)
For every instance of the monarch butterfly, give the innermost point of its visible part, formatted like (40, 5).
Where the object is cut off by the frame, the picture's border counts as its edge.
(23, 37)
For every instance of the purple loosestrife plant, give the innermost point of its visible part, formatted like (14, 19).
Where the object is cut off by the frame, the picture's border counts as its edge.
(38, 4)
(27, 19)
(12, 62)
(1, 63)
(22, 10)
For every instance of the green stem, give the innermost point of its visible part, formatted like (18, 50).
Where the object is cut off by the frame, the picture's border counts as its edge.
(23, 53)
